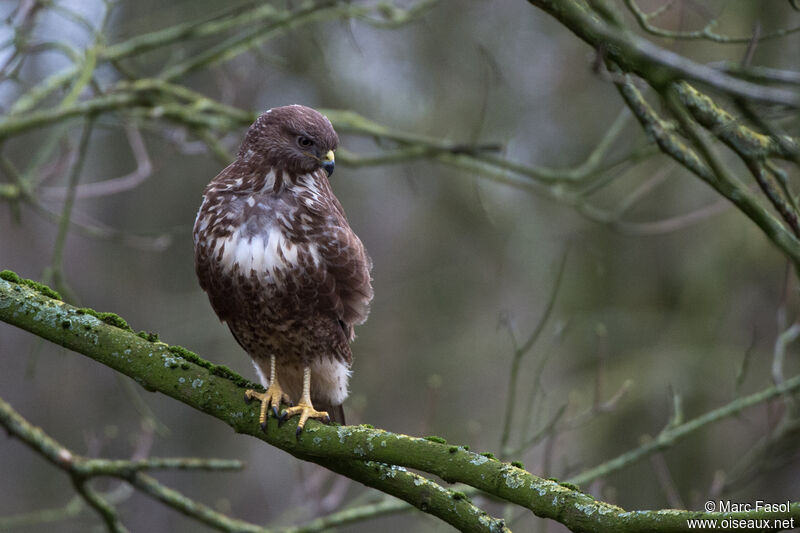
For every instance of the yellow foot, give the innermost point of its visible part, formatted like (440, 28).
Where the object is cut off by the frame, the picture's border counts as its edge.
(273, 396)
(306, 411)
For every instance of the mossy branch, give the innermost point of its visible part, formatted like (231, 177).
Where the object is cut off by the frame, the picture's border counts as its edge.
(599, 27)
(701, 118)
(373, 457)
(731, 130)
(219, 392)
(708, 168)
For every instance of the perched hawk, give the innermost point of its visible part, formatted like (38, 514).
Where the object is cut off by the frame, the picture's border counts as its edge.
(281, 266)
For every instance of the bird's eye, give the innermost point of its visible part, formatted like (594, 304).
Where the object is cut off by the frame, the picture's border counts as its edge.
(304, 141)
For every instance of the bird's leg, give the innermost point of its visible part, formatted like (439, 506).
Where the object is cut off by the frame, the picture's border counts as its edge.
(304, 407)
(273, 396)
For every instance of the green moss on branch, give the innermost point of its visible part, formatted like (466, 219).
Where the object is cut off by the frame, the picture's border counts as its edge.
(8, 275)
(374, 457)
(215, 390)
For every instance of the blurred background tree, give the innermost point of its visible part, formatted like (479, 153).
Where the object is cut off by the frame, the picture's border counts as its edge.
(552, 283)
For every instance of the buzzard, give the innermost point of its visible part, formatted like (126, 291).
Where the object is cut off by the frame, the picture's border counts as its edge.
(282, 268)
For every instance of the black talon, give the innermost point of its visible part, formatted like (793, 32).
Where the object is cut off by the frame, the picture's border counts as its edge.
(327, 419)
(275, 411)
(264, 427)
(247, 398)
(283, 418)
(298, 431)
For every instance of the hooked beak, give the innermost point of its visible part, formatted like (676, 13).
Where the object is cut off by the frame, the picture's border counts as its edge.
(328, 163)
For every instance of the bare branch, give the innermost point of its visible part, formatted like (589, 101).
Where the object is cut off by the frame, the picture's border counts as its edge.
(707, 32)
(144, 168)
(657, 65)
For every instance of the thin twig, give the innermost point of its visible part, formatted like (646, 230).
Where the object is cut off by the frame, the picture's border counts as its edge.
(82, 470)
(144, 168)
(106, 511)
(521, 351)
(55, 271)
(779, 354)
(707, 33)
(385, 507)
(671, 435)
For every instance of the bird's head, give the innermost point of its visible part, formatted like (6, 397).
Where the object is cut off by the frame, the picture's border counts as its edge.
(292, 138)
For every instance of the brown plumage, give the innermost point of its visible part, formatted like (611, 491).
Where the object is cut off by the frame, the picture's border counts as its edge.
(280, 264)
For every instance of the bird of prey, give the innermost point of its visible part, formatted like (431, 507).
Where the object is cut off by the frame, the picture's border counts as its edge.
(282, 268)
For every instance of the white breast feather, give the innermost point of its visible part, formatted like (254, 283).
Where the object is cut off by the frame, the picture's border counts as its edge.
(256, 258)
(253, 254)
(313, 249)
(279, 253)
(269, 181)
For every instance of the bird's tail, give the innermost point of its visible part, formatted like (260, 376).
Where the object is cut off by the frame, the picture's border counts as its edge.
(336, 412)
